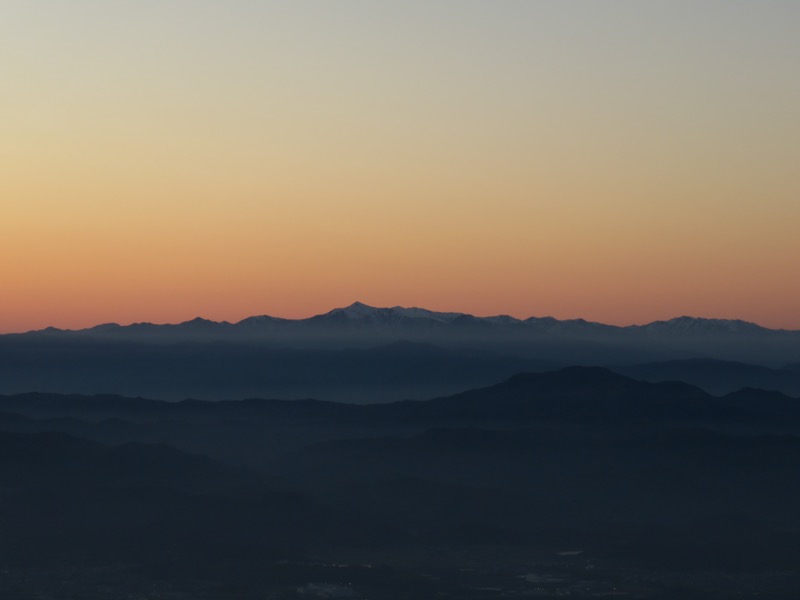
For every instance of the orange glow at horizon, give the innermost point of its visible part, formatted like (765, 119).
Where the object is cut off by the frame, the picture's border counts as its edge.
(286, 160)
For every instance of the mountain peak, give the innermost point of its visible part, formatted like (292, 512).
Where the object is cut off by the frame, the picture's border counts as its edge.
(199, 324)
(199, 321)
(354, 311)
(577, 393)
(358, 311)
(360, 308)
(702, 325)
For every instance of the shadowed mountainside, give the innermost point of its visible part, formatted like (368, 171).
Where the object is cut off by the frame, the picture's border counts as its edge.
(640, 477)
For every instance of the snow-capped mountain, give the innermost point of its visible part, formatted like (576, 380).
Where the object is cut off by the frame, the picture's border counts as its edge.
(360, 317)
(694, 326)
(359, 312)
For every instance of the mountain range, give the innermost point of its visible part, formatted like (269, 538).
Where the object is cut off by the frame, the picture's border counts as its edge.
(365, 354)
(360, 316)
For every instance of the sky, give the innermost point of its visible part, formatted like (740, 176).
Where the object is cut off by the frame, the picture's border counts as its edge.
(619, 161)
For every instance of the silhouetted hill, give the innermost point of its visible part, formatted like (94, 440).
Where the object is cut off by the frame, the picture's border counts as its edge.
(718, 376)
(66, 495)
(526, 461)
(569, 393)
(592, 393)
(253, 432)
(638, 477)
(575, 392)
(764, 403)
(608, 492)
(57, 459)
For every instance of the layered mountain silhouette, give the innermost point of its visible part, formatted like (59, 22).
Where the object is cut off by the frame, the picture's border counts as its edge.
(637, 474)
(249, 432)
(719, 376)
(581, 476)
(70, 501)
(366, 354)
(363, 316)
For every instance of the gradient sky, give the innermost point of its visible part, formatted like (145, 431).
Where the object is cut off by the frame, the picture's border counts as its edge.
(621, 161)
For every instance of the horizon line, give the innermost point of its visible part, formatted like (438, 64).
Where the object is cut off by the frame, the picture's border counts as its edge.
(358, 303)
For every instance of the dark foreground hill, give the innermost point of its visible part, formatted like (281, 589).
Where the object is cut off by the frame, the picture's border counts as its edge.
(578, 482)
(65, 500)
(719, 376)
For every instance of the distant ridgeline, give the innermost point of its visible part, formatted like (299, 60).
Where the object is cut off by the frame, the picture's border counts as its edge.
(367, 354)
